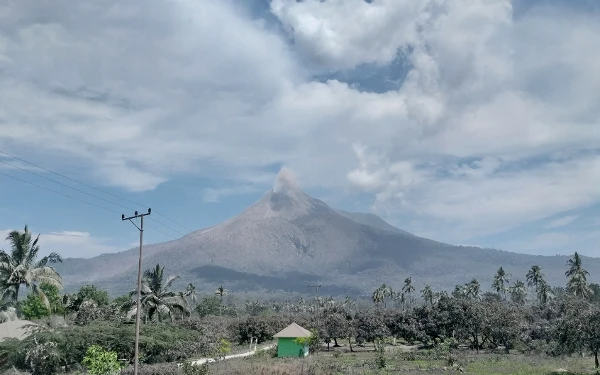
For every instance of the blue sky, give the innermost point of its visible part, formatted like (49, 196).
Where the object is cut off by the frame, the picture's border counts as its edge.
(472, 124)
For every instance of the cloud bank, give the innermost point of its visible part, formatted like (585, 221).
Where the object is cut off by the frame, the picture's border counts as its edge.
(494, 125)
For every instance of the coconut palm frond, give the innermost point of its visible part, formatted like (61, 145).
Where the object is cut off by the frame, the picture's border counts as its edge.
(52, 258)
(170, 281)
(32, 253)
(40, 293)
(46, 275)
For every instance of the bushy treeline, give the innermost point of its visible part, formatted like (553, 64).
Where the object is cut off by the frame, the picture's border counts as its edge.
(529, 316)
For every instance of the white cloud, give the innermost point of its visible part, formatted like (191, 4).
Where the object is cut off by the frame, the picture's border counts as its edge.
(69, 244)
(493, 126)
(563, 221)
(215, 195)
(347, 33)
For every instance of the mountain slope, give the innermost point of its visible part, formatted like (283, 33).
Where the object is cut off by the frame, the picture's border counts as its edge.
(288, 239)
(372, 221)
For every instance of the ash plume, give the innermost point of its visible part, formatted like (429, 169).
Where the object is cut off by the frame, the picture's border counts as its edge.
(285, 181)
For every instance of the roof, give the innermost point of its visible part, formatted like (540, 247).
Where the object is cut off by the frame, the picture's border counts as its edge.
(17, 329)
(293, 330)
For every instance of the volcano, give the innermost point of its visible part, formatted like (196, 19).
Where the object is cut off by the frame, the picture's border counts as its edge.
(288, 239)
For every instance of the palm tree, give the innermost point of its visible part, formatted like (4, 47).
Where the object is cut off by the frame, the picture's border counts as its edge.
(21, 267)
(378, 297)
(473, 289)
(409, 289)
(156, 298)
(535, 277)
(190, 291)
(399, 297)
(577, 283)
(221, 292)
(427, 294)
(544, 292)
(518, 292)
(501, 279)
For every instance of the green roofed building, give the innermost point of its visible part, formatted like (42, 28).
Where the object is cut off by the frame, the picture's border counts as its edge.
(286, 341)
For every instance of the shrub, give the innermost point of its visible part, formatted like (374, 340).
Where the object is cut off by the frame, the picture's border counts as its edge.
(190, 369)
(380, 359)
(43, 359)
(157, 369)
(100, 361)
(261, 327)
(158, 343)
(33, 308)
(224, 348)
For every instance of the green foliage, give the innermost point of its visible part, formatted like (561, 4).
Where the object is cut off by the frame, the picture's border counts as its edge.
(224, 348)
(21, 266)
(121, 300)
(380, 358)
(190, 369)
(313, 341)
(158, 343)
(157, 300)
(92, 293)
(43, 358)
(262, 327)
(33, 308)
(99, 361)
(52, 293)
(156, 369)
(208, 306)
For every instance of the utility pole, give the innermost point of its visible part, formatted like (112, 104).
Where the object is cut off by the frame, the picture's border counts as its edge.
(139, 287)
(317, 301)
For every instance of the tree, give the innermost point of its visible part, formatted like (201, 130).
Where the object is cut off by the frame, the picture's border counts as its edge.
(370, 326)
(595, 295)
(544, 292)
(33, 307)
(503, 324)
(156, 298)
(381, 294)
(427, 294)
(221, 292)
(409, 289)
(91, 292)
(501, 279)
(577, 283)
(335, 324)
(21, 267)
(400, 297)
(473, 289)
(208, 306)
(518, 292)
(535, 277)
(190, 291)
(578, 329)
(87, 294)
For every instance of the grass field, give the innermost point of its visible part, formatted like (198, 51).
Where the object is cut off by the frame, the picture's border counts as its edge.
(399, 362)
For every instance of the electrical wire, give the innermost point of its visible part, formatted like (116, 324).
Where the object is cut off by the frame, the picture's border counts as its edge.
(82, 191)
(77, 199)
(95, 188)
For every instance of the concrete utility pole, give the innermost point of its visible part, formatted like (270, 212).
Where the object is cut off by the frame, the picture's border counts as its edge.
(317, 301)
(139, 287)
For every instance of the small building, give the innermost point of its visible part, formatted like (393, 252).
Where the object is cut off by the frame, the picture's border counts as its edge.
(287, 346)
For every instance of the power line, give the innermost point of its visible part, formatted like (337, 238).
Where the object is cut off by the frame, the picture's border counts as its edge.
(95, 188)
(81, 191)
(77, 199)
